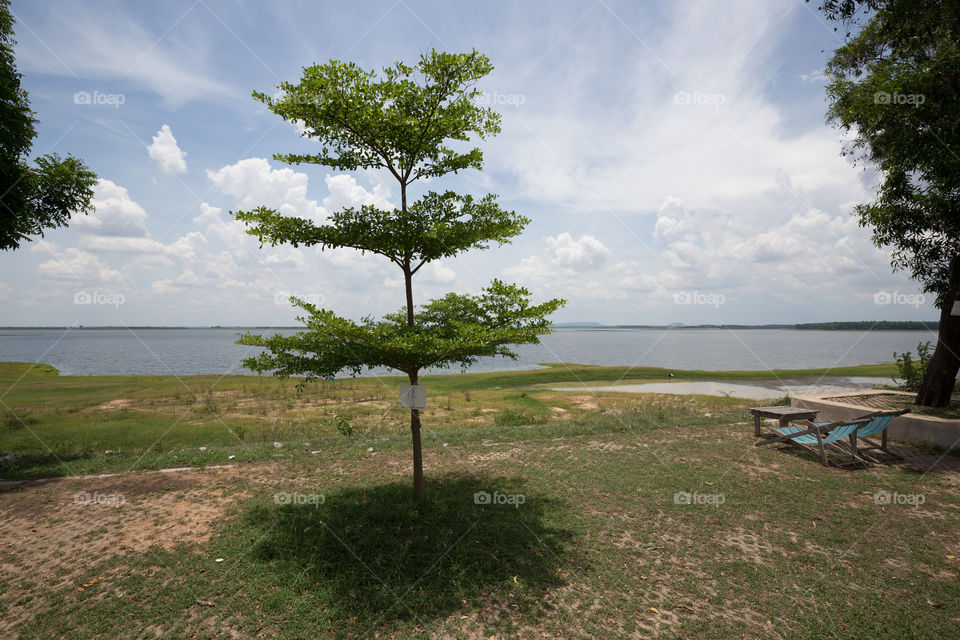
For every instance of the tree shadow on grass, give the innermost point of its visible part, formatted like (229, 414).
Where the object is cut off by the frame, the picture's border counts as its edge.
(372, 559)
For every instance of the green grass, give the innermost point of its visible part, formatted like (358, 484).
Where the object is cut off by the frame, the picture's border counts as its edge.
(63, 425)
(599, 547)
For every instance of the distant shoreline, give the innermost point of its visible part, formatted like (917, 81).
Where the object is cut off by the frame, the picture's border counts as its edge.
(879, 325)
(862, 325)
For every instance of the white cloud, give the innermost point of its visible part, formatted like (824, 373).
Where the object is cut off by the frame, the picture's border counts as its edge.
(808, 254)
(169, 157)
(566, 265)
(692, 118)
(5, 290)
(688, 127)
(437, 273)
(116, 213)
(81, 267)
(345, 192)
(814, 76)
(587, 252)
(253, 183)
(45, 247)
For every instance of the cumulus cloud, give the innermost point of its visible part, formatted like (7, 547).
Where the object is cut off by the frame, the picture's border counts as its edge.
(81, 267)
(564, 254)
(808, 254)
(436, 273)
(587, 252)
(345, 192)
(116, 214)
(568, 264)
(168, 156)
(252, 182)
(118, 226)
(810, 251)
(683, 140)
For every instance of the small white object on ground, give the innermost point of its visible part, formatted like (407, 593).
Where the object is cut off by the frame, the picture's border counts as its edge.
(446, 444)
(231, 457)
(278, 445)
(203, 448)
(369, 449)
(708, 415)
(219, 559)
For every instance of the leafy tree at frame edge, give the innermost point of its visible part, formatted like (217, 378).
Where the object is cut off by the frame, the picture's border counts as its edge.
(32, 198)
(895, 84)
(405, 121)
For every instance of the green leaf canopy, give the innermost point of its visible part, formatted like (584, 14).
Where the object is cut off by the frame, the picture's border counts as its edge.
(453, 330)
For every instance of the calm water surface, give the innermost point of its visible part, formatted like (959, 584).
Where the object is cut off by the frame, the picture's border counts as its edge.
(212, 351)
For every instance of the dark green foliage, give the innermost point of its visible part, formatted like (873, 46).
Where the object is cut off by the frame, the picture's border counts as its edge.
(453, 330)
(399, 122)
(32, 198)
(436, 226)
(403, 121)
(896, 85)
(910, 372)
(343, 426)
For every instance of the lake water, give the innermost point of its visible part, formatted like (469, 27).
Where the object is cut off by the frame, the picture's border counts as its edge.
(212, 351)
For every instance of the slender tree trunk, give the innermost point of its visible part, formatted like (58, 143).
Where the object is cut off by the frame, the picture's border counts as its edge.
(408, 283)
(414, 375)
(417, 449)
(941, 374)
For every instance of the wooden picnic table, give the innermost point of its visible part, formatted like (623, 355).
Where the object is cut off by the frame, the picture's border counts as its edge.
(781, 413)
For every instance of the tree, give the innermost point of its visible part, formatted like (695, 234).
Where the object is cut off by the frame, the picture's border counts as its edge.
(895, 85)
(31, 198)
(402, 123)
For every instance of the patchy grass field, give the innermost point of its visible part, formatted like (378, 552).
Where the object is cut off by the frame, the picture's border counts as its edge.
(610, 516)
(65, 425)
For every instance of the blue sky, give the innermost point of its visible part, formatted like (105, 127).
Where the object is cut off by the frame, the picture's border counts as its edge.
(673, 158)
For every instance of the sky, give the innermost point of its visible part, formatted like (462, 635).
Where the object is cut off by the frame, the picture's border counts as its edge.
(673, 158)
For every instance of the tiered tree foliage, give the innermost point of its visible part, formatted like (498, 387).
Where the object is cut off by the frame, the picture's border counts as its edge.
(406, 121)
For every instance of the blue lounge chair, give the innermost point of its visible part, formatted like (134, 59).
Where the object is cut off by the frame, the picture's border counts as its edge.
(879, 422)
(822, 435)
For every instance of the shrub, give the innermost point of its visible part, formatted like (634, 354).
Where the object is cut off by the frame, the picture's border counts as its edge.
(910, 372)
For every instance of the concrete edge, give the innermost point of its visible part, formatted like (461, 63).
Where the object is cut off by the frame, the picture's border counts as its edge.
(911, 428)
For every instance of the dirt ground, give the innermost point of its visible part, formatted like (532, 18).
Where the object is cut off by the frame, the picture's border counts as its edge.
(51, 529)
(45, 524)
